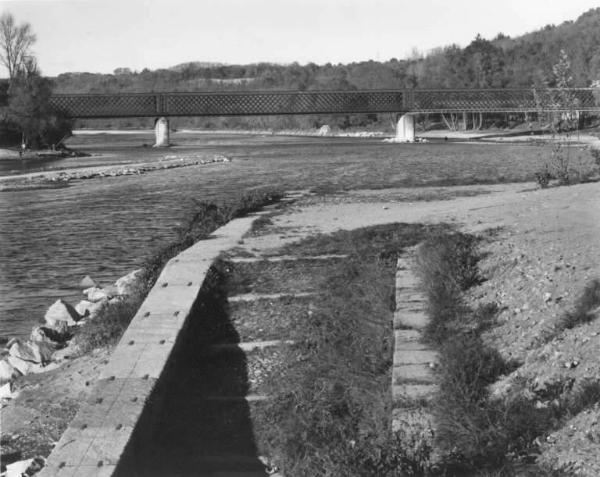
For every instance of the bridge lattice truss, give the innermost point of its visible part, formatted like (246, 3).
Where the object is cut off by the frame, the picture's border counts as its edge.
(252, 103)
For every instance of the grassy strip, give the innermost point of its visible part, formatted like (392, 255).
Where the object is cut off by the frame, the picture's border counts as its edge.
(331, 414)
(108, 328)
(474, 430)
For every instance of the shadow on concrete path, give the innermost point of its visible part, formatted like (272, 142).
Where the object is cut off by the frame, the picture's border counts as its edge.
(188, 428)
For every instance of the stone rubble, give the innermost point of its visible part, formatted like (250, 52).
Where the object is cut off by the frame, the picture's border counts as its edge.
(50, 344)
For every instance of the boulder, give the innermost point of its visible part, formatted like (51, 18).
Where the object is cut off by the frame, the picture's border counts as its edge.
(95, 294)
(61, 311)
(89, 308)
(39, 352)
(17, 469)
(87, 282)
(6, 391)
(130, 283)
(22, 366)
(7, 372)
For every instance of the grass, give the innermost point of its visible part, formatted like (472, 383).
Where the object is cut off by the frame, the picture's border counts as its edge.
(107, 329)
(331, 412)
(475, 431)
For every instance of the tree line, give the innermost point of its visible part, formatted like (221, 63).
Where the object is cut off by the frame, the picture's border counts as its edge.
(501, 62)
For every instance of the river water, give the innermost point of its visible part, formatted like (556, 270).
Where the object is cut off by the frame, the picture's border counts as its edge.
(51, 238)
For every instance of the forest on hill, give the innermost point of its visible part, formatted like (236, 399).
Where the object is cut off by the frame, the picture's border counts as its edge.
(501, 62)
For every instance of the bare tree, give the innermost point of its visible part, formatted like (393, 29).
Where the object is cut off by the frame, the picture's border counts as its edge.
(15, 44)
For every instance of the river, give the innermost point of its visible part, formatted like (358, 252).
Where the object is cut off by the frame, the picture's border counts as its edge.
(51, 238)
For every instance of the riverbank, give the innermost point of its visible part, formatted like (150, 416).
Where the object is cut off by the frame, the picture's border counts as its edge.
(84, 333)
(540, 252)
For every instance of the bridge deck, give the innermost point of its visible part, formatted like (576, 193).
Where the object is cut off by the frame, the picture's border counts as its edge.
(252, 103)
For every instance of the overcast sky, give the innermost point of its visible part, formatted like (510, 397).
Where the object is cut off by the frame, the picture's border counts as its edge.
(101, 35)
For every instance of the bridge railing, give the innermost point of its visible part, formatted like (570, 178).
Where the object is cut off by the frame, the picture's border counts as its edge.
(249, 103)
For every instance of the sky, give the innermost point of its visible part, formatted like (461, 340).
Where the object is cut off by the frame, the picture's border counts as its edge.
(101, 35)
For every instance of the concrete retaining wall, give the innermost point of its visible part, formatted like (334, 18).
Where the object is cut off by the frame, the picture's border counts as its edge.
(96, 439)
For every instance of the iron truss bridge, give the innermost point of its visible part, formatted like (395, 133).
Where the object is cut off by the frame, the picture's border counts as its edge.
(251, 103)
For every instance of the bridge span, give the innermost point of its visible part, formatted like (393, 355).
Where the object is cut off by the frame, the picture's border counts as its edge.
(404, 102)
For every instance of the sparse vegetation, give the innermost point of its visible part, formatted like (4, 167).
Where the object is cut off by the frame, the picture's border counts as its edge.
(476, 430)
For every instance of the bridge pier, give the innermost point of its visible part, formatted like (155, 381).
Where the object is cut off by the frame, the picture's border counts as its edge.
(405, 128)
(161, 132)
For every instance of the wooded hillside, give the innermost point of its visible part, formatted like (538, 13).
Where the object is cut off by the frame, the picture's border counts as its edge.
(500, 62)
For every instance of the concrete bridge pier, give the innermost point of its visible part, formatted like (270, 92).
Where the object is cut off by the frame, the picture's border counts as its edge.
(405, 128)
(161, 131)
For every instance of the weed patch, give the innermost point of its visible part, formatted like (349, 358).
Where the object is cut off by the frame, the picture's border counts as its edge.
(473, 429)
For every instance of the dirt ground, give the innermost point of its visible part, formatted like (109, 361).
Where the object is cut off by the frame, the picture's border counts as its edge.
(543, 242)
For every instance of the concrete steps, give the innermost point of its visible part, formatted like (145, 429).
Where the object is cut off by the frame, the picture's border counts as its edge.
(251, 360)
(268, 296)
(286, 258)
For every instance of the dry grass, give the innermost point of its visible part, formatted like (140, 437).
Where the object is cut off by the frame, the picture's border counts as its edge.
(474, 430)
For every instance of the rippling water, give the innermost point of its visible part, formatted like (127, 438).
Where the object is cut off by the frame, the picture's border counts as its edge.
(51, 238)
